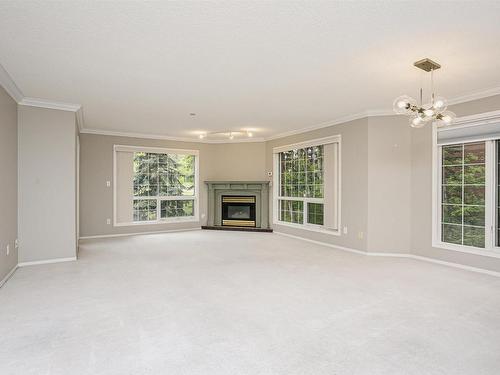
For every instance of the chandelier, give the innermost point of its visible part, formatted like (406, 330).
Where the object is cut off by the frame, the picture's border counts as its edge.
(420, 113)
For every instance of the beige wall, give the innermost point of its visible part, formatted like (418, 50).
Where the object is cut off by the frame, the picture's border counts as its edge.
(354, 193)
(386, 183)
(8, 187)
(389, 182)
(47, 184)
(242, 161)
(421, 192)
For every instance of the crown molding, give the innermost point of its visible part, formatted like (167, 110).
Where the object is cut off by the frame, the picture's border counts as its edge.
(9, 85)
(476, 95)
(338, 121)
(49, 104)
(168, 138)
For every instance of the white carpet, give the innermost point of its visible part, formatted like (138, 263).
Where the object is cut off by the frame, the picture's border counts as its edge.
(245, 303)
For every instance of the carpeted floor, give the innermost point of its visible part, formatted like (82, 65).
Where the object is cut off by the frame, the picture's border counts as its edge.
(237, 303)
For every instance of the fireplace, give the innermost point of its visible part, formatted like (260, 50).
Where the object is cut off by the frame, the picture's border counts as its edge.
(238, 211)
(238, 205)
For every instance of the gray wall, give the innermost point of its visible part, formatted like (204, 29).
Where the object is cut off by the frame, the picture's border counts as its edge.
(8, 187)
(242, 161)
(421, 192)
(354, 190)
(47, 184)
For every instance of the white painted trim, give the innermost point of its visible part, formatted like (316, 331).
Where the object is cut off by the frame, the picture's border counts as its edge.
(178, 220)
(9, 85)
(397, 255)
(337, 121)
(168, 138)
(138, 233)
(156, 150)
(42, 103)
(9, 275)
(48, 261)
(481, 94)
(472, 120)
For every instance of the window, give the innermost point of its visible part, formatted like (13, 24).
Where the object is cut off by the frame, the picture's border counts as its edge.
(463, 194)
(163, 185)
(468, 195)
(307, 185)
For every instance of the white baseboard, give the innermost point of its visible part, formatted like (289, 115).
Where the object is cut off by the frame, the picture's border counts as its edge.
(9, 275)
(397, 255)
(48, 261)
(138, 233)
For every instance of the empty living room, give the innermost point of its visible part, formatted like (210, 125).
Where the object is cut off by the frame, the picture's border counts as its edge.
(249, 187)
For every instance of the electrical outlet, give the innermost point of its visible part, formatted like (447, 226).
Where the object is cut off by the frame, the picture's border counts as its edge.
(345, 229)
(108, 221)
(361, 235)
(269, 174)
(8, 249)
(108, 183)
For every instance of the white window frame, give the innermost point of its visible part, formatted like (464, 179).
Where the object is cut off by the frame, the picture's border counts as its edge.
(276, 187)
(159, 199)
(467, 123)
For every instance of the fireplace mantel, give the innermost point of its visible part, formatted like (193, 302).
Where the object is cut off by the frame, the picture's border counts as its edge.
(258, 189)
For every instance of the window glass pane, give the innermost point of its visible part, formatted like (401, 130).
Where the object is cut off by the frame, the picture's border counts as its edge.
(291, 211)
(463, 194)
(315, 213)
(452, 175)
(452, 214)
(474, 236)
(452, 233)
(177, 208)
(452, 194)
(144, 209)
(474, 153)
(452, 155)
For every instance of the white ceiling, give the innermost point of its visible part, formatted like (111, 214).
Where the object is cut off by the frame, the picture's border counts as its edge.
(272, 66)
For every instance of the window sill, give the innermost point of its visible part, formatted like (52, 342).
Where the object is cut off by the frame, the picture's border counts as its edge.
(310, 228)
(494, 253)
(191, 219)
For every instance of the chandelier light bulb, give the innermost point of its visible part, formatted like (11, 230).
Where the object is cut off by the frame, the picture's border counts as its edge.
(231, 136)
(249, 134)
(417, 122)
(403, 104)
(447, 117)
(202, 135)
(429, 112)
(440, 104)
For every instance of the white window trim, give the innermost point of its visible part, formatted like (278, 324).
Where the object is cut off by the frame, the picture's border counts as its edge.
(159, 221)
(490, 250)
(276, 183)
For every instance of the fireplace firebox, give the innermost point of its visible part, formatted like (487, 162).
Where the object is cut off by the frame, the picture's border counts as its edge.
(238, 211)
